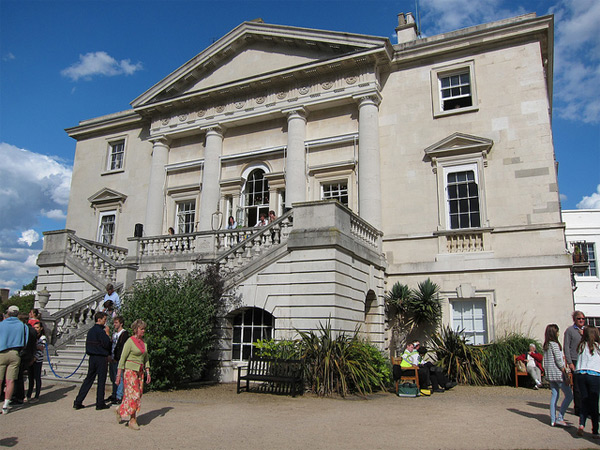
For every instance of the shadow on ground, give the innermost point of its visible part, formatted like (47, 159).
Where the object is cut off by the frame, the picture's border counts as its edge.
(148, 417)
(9, 442)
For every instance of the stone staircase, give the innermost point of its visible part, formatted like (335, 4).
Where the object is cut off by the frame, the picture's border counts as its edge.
(65, 362)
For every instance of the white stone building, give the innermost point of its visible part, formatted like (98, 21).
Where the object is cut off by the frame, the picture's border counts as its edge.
(583, 229)
(429, 158)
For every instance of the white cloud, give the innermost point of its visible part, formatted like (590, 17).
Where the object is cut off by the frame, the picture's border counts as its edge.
(577, 60)
(29, 237)
(8, 57)
(99, 63)
(591, 201)
(7, 283)
(440, 16)
(56, 214)
(32, 187)
(563, 197)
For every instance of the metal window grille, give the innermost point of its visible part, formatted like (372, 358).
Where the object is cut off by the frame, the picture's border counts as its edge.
(249, 326)
(186, 217)
(470, 316)
(337, 191)
(592, 270)
(463, 200)
(456, 91)
(117, 151)
(107, 229)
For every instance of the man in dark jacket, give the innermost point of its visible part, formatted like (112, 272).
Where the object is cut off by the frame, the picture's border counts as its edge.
(97, 346)
(27, 359)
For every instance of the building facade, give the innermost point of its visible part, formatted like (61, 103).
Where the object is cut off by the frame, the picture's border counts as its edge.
(429, 158)
(583, 231)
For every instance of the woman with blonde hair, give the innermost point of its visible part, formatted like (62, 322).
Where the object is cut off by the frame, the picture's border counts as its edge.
(134, 362)
(587, 372)
(556, 374)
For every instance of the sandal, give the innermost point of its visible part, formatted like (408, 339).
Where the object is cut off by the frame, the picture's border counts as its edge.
(133, 425)
(119, 418)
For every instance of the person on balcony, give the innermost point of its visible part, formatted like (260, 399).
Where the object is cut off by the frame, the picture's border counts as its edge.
(231, 223)
(97, 346)
(272, 216)
(262, 221)
(112, 295)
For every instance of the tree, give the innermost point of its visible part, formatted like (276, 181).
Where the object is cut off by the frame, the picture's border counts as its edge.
(413, 310)
(32, 286)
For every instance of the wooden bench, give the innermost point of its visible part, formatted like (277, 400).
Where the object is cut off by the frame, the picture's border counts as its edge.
(278, 376)
(518, 373)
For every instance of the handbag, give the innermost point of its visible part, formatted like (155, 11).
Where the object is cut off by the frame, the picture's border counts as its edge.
(521, 367)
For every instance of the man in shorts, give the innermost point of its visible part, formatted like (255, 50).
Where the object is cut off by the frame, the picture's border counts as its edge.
(13, 337)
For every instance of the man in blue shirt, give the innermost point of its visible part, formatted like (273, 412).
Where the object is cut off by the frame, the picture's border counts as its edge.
(13, 337)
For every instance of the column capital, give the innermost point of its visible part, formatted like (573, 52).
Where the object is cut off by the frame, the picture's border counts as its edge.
(369, 98)
(295, 113)
(160, 141)
(214, 129)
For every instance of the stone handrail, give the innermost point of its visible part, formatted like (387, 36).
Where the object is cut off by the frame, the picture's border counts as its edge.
(364, 231)
(91, 257)
(68, 321)
(251, 246)
(172, 244)
(117, 254)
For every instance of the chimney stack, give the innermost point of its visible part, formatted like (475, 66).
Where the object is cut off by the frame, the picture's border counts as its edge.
(406, 30)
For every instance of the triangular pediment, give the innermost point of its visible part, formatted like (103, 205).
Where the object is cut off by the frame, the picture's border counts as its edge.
(107, 195)
(459, 144)
(254, 51)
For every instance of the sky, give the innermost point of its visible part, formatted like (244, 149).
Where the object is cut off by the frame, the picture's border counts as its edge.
(66, 61)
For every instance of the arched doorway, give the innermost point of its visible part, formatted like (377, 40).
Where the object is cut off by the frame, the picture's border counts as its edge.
(256, 197)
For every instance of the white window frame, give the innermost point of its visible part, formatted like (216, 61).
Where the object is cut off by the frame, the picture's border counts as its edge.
(441, 72)
(455, 169)
(100, 226)
(179, 215)
(111, 144)
(256, 331)
(470, 333)
(336, 197)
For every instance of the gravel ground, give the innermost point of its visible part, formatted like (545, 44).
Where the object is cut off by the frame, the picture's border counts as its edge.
(215, 417)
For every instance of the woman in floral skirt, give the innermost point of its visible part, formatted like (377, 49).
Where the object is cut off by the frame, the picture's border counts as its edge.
(134, 362)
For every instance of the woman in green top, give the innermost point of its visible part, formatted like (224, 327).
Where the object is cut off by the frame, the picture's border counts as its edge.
(134, 361)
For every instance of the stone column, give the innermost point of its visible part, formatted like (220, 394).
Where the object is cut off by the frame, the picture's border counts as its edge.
(295, 163)
(369, 184)
(211, 175)
(156, 186)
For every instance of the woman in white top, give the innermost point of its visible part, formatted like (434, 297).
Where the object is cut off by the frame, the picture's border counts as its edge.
(555, 368)
(587, 372)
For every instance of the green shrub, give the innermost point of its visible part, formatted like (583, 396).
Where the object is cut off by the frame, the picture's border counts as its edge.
(462, 361)
(499, 357)
(285, 349)
(340, 364)
(180, 312)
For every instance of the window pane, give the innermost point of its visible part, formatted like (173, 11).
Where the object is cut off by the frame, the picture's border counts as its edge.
(463, 200)
(455, 91)
(235, 352)
(249, 330)
(237, 334)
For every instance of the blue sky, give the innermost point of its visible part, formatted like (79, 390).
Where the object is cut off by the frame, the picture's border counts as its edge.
(66, 61)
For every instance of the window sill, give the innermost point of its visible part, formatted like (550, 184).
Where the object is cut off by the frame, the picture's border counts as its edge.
(112, 172)
(468, 109)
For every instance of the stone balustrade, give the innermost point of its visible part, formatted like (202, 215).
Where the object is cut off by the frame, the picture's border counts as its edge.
(364, 231)
(92, 257)
(172, 244)
(68, 323)
(466, 242)
(117, 254)
(246, 245)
